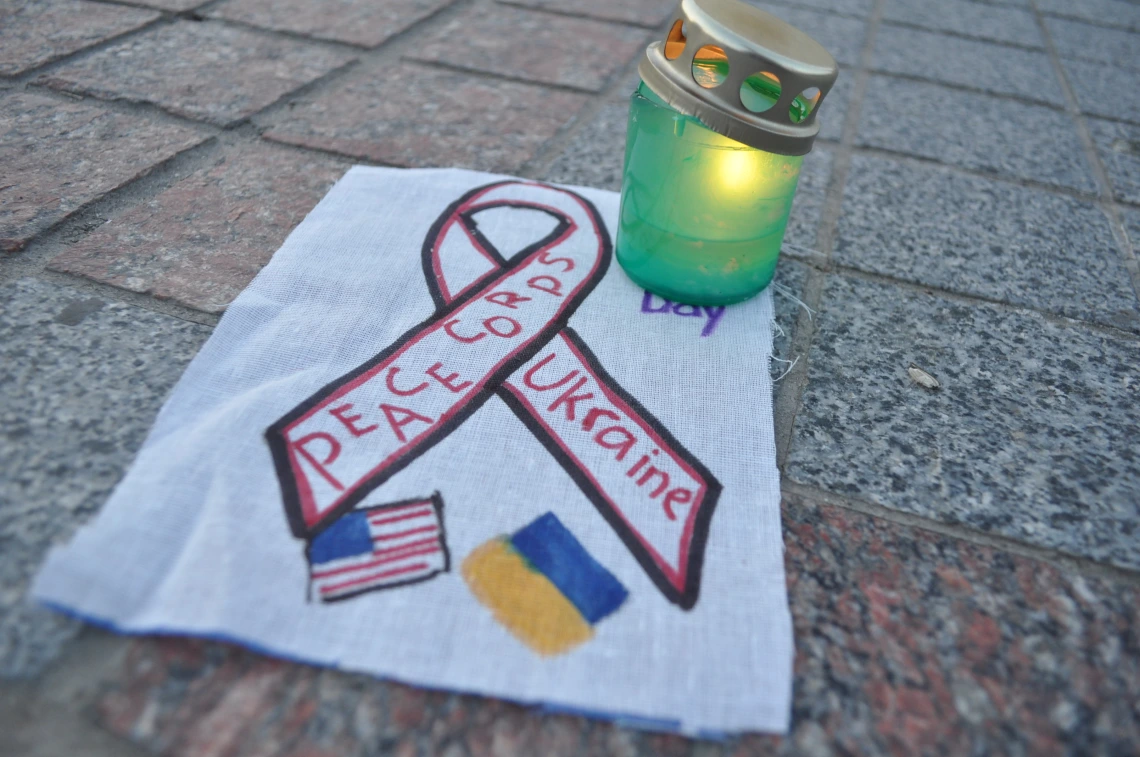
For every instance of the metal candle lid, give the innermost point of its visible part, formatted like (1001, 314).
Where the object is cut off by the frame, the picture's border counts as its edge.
(743, 73)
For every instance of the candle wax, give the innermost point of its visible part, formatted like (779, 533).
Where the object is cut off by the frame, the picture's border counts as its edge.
(702, 216)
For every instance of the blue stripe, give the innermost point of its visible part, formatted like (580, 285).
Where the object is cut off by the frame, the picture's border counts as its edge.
(555, 553)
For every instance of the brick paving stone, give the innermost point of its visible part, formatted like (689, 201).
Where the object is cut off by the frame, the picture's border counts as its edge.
(1029, 437)
(413, 115)
(357, 23)
(967, 234)
(911, 643)
(979, 65)
(1119, 148)
(59, 156)
(1104, 90)
(1074, 39)
(202, 240)
(35, 33)
(80, 382)
(973, 131)
(650, 13)
(907, 643)
(842, 37)
(1124, 14)
(204, 71)
(539, 47)
(995, 23)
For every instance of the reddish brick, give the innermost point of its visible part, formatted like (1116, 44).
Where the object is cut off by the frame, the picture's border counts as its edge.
(650, 13)
(58, 156)
(366, 24)
(205, 71)
(539, 47)
(35, 33)
(950, 634)
(414, 115)
(203, 239)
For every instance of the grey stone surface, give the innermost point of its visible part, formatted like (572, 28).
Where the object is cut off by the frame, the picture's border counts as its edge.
(970, 19)
(1032, 435)
(1121, 13)
(594, 156)
(1118, 145)
(833, 110)
(967, 63)
(974, 131)
(860, 8)
(842, 37)
(1074, 39)
(1105, 90)
(791, 275)
(80, 382)
(803, 224)
(966, 234)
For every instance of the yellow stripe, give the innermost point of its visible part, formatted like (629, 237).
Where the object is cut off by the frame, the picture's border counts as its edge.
(524, 600)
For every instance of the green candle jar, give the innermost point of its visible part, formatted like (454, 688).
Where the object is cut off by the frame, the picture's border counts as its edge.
(716, 138)
(702, 216)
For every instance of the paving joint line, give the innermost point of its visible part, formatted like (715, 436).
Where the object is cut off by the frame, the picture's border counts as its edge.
(33, 258)
(1100, 175)
(798, 493)
(146, 109)
(570, 14)
(1017, 181)
(789, 399)
(962, 35)
(25, 77)
(918, 79)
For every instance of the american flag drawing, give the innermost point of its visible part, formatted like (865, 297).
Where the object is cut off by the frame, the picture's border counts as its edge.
(379, 548)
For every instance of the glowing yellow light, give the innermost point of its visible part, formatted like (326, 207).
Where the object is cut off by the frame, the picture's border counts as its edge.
(737, 170)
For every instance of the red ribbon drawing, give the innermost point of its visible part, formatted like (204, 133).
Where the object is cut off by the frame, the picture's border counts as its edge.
(503, 331)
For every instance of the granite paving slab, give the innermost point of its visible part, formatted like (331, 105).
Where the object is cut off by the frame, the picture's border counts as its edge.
(409, 114)
(1118, 146)
(998, 69)
(908, 643)
(833, 109)
(80, 381)
(357, 23)
(1031, 435)
(974, 131)
(593, 157)
(202, 240)
(1074, 39)
(59, 156)
(840, 36)
(539, 47)
(206, 71)
(860, 8)
(967, 234)
(995, 23)
(1124, 14)
(1103, 90)
(649, 13)
(35, 33)
(791, 275)
(174, 6)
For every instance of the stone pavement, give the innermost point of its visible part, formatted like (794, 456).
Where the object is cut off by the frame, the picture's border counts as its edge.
(964, 563)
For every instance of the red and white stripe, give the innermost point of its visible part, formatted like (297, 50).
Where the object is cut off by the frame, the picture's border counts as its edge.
(407, 542)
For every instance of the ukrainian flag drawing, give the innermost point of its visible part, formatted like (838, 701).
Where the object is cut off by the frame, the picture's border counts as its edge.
(543, 585)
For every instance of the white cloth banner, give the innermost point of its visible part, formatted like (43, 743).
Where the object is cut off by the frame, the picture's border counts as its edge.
(442, 438)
